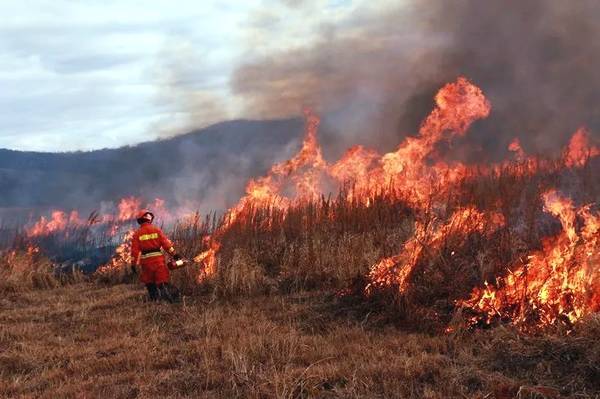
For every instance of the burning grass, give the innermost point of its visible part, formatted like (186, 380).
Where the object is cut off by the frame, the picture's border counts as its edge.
(471, 223)
(388, 289)
(421, 263)
(425, 236)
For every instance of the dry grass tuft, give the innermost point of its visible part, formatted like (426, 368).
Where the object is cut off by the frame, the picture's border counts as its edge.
(242, 276)
(115, 275)
(23, 270)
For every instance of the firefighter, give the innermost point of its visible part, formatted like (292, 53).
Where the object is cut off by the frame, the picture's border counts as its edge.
(147, 246)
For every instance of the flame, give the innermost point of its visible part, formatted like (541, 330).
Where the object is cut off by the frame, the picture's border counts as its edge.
(115, 226)
(58, 221)
(122, 256)
(209, 259)
(32, 250)
(560, 283)
(128, 207)
(355, 165)
(515, 147)
(412, 173)
(20, 260)
(579, 150)
(301, 174)
(301, 178)
(407, 169)
(396, 271)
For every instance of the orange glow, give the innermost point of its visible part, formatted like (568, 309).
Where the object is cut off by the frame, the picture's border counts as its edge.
(209, 259)
(122, 257)
(413, 167)
(58, 221)
(128, 207)
(515, 147)
(579, 149)
(560, 283)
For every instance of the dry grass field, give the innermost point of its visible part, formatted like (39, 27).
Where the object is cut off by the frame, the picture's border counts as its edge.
(86, 340)
(458, 282)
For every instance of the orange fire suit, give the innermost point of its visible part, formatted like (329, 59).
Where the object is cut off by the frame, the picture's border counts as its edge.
(146, 246)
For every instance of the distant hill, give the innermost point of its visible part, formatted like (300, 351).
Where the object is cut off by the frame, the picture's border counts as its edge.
(207, 168)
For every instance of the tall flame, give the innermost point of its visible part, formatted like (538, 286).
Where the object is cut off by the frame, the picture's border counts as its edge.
(458, 105)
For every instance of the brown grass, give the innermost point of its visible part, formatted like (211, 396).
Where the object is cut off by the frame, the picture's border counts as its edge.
(22, 271)
(89, 341)
(270, 322)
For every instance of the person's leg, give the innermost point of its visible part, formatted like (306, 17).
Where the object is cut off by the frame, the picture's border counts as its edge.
(147, 277)
(164, 293)
(167, 291)
(153, 292)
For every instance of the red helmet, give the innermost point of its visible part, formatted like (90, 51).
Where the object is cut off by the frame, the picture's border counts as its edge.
(144, 216)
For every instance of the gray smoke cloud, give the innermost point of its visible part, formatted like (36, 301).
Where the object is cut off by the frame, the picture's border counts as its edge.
(373, 76)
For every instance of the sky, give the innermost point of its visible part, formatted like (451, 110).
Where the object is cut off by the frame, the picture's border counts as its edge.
(82, 75)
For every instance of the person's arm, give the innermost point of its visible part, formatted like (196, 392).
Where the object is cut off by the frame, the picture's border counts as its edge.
(167, 245)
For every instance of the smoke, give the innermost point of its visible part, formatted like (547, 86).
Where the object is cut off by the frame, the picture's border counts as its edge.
(193, 100)
(373, 75)
(204, 170)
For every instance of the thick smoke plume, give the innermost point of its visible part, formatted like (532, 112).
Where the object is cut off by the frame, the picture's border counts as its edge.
(374, 75)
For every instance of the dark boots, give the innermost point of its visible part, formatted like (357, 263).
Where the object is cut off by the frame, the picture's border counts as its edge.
(153, 292)
(165, 295)
(163, 291)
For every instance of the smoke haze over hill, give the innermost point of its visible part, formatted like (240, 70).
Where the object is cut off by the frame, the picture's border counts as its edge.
(203, 170)
(376, 71)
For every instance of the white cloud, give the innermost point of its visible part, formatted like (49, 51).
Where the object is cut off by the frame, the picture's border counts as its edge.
(93, 74)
